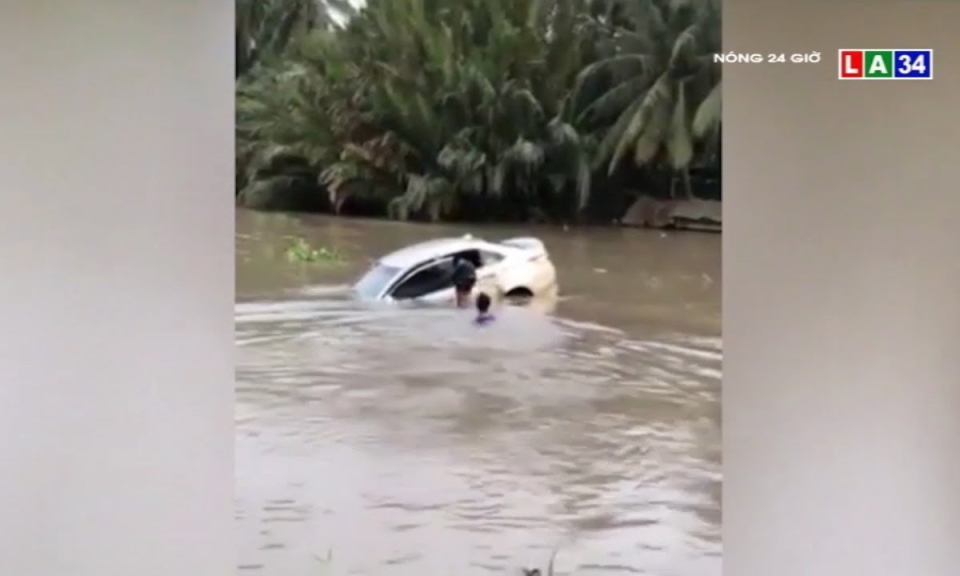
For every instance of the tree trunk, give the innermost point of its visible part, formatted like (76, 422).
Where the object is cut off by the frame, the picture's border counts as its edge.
(687, 187)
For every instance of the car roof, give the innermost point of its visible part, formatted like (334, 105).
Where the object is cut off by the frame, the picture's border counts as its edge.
(423, 251)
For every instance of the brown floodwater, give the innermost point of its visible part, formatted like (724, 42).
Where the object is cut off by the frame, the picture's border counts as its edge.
(385, 440)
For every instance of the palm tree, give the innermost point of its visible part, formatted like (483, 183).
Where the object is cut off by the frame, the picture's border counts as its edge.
(469, 97)
(444, 108)
(293, 116)
(265, 28)
(656, 94)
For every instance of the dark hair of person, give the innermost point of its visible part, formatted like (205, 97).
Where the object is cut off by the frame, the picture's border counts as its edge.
(483, 302)
(464, 276)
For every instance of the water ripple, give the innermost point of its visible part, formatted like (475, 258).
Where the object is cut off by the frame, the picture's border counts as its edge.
(412, 423)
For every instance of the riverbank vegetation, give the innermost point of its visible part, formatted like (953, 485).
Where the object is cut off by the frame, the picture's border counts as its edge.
(303, 252)
(510, 110)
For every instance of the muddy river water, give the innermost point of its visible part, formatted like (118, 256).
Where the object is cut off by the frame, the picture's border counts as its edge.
(379, 440)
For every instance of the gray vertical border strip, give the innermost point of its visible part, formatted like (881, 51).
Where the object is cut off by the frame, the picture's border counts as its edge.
(116, 255)
(841, 296)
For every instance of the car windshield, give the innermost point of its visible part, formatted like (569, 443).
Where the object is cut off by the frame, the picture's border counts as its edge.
(375, 280)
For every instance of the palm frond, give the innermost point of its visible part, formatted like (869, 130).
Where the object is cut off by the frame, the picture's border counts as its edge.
(708, 116)
(679, 141)
(645, 130)
(430, 105)
(614, 134)
(615, 101)
(614, 70)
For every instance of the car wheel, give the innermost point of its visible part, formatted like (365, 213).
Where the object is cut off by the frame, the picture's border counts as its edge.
(518, 295)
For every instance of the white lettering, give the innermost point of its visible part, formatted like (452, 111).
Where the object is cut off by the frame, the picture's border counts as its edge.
(877, 66)
(731, 57)
(907, 66)
(848, 67)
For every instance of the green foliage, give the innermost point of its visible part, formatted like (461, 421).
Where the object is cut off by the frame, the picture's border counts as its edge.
(265, 29)
(656, 92)
(468, 108)
(301, 251)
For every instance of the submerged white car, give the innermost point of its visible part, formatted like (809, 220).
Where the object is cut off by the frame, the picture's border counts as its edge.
(515, 268)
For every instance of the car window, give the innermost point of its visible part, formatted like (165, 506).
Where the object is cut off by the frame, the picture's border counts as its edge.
(488, 258)
(435, 277)
(375, 280)
(471, 256)
(480, 258)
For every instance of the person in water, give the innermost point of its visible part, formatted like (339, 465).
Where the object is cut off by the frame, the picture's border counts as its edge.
(483, 309)
(464, 280)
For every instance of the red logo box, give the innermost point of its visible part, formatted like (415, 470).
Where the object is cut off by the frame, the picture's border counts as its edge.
(851, 64)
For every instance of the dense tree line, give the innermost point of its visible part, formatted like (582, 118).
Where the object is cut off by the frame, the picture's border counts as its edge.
(477, 109)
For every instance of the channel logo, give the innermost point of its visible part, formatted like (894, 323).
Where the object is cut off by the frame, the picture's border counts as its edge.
(885, 64)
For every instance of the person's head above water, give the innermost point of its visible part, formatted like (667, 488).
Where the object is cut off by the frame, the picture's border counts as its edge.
(483, 303)
(483, 309)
